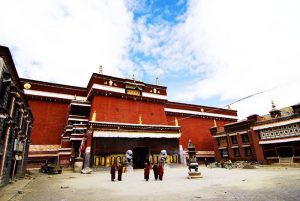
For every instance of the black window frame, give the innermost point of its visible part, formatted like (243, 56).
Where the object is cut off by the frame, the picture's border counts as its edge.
(235, 153)
(245, 138)
(248, 153)
(233, 139)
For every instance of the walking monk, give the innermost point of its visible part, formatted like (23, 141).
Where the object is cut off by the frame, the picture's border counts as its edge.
(155, 171)
(147, 170)
(120, 171)
(113, 171)
(160, 171)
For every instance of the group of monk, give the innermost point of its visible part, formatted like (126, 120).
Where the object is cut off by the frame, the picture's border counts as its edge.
(158, 171)
(113, 168)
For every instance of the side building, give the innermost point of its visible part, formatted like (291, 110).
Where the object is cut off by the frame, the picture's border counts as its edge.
(16, 121)
(274, 138)
(112, 115)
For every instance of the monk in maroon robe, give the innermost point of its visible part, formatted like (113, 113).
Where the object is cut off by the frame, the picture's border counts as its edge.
(160, 171)
(113, 171)
(155, 171)
(147, 171)
(120, 171)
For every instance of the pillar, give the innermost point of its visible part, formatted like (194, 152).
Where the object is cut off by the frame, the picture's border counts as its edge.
(87, 156)
(10, 112)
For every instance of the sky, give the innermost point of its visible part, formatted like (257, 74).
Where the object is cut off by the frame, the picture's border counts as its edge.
(211, 53)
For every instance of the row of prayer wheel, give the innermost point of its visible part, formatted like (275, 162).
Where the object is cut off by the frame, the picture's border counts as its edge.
(121, 158)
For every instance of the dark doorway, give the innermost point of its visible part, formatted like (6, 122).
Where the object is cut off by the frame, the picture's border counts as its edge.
(285, 151)
(140, 156)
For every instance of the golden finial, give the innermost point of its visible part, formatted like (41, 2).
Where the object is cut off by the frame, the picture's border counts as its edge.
(176, 122)
(140, 119)
(94, 115)
(215, 123)
(157, 81)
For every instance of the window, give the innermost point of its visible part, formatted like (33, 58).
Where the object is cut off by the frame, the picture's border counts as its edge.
(236, 152)
(224, 153)
(222, 141)
(233, 139)
(248, 151)
(245, 137)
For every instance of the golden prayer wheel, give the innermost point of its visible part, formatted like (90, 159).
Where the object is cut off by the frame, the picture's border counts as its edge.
(107, 160)
(102, 161)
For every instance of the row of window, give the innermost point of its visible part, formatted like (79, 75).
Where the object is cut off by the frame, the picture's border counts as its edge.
(222, 141)
(236, 151)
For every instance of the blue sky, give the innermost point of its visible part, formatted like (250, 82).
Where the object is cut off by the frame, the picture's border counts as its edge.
(206, 52)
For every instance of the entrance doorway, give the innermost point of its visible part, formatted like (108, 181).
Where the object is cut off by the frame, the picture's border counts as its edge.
(140, 156)
(285, 151)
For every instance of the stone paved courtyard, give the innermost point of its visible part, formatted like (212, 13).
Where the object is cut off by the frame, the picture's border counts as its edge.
(266, 183)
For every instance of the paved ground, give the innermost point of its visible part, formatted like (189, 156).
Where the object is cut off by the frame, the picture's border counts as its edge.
(267, 183)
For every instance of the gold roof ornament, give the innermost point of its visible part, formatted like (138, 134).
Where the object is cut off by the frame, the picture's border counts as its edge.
(27, 86)
(140, 119)
(176, 122)
(94, 115)
(215, 123)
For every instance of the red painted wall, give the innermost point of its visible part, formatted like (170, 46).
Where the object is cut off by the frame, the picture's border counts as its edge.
(111, 109)
(196, 129)
(49, 121)
(256, 146)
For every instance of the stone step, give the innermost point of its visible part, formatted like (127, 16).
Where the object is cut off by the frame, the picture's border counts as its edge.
(286, 164)
(286, 160)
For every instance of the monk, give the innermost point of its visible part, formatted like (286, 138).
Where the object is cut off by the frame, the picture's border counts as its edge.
(147, 170)
(113, 171)
(155, 171)
(160, 171)
(120, 171)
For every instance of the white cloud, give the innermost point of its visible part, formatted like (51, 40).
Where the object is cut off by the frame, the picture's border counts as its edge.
(228, 50)
(250, 46)
(225, 50)
(67, 41)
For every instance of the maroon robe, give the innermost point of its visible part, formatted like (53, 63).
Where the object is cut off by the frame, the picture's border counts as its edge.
(113, 172)
(160, 172)
(155, 171)
(147, 172)
(120, 171)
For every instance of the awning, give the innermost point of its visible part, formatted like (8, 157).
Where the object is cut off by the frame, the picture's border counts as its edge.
(273, 141)
(135, 134)
(42, 155)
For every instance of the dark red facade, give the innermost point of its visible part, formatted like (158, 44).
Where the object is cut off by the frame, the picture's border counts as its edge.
(269, 139)
(128, 110)
(65, 115)
(51, 122)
